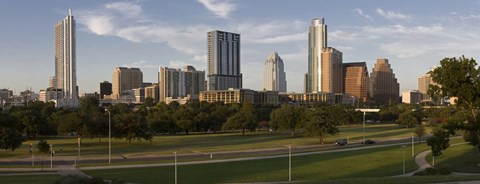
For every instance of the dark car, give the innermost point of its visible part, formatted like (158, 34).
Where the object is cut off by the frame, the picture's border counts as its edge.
(341, 142)
(368, 141)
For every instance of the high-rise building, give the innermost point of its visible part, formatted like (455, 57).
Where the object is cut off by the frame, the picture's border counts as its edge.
(124, 81)
(65, 57)
(153, 92)
(383, 86)
(411, 97)
(105, 89)
(356, 79)
(50, 94)
(424, 82)
(274, 75)
(224, 60)
(175, 83)
(331, 71)
(317, 41)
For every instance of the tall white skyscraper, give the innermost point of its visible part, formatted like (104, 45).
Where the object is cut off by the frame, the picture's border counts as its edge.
(65, 57)
(317, 41)
(224, 60)
(274, 75)
(176, 83)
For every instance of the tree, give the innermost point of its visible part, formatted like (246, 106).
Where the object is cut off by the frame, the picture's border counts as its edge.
(439, 141)
(245, 119)
(131, 126)
(287, 117)
(460, 78)
(321, 122)
(408, 119)
(43, 146)
(10, 137)
(420, 131)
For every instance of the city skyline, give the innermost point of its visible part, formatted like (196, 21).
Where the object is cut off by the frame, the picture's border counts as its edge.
(109, 35)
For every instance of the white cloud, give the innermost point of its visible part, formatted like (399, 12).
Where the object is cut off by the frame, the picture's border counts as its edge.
(129, 9)
(177, 64)
(392, 14)
(100, 25)
(360, 12)
(140, 64)
(282, 39)
(219, 8)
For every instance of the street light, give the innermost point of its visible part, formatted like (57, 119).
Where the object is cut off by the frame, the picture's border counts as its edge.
(109, 137)
(175, 153)
(51, 157)
(403, 148)
(364, 113)
(289, 163)
(413, 146)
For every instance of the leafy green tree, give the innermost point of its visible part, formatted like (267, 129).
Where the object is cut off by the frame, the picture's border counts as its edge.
(149, 102)
(10, 137)
(33, 124)
(245, 119)
(43, 146)
(460, 78)
(320, 122)
(131, 126)
(439, 141)
(408, 119)
(420, 131)
(287, 117)
(161, 122)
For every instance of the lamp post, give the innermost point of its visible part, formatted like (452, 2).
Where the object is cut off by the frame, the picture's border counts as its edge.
(51, 157)
(413, 146)
(79, 140)
(175, 153)
(363, 141)
(403, 148)
(289, 163)
(109, 137)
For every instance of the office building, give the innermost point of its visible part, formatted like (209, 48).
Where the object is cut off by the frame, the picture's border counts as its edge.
(332, 71)
(241, 95)
(224, 60)
(65, 57)
(50, 95)
(356, 80)
(139, 94)
(124, 81)
(175, 83)
(274, 75)
(105, 89)
(383, 86)
(411, 97)
(317, 41)
(424, 82)
(153, 92)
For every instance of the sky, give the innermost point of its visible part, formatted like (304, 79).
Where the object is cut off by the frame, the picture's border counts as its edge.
(413, 35)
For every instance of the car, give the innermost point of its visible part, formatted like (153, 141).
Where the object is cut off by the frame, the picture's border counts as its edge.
(341, 142)
(368, 141)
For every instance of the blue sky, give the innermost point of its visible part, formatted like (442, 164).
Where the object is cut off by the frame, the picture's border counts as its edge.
(413, 35)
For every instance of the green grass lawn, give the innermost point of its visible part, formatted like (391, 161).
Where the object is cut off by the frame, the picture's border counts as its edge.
(400, 180)
(460, 158)
(29, 179)
(378, 162)
(206, 143)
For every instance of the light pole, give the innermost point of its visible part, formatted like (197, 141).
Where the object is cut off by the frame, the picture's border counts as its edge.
(403, 148)
(79, 140)
(364, 127)
(289, 163)
(413, 146)
(175, 153)
(109, 137)
(51, 157)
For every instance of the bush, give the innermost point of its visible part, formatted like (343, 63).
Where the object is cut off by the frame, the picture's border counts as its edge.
(431, 171)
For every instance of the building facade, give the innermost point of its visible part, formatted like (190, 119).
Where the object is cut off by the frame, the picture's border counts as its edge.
(356, 80)
(424, 82)
(65, 57)
(50, 94)
(317, 41)
(153, 92)
(383, 86)
(411, 97)
(332, 71)
(124, 80)
(105, 89)
(240, 96)
(274, 75)
(223, 60)
(175, 83)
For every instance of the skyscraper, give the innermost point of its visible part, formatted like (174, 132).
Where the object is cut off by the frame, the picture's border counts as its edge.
(274, 75)
(383, 86)
(65, 57)
(331, 80)
(124, 80)
(423, 84)
(223, 60)
(356, 79)
(105, 89)
(317, 41)
(176, 83)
